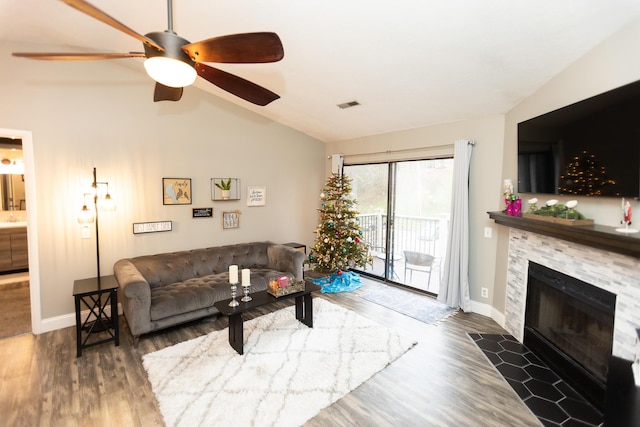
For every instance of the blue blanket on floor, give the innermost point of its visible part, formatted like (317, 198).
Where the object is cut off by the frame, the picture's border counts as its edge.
(345, 282)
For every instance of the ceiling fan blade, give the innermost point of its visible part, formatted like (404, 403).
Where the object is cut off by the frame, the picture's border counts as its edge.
(246, 48)
(96, 13)
(166, 93)
(60, 56)
(236, 85)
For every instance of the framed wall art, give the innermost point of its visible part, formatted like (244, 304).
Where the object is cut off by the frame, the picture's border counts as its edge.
(256, 196)
(176, 191)
(225, 189)
(230, 219)
(202, 212)
(151, 227)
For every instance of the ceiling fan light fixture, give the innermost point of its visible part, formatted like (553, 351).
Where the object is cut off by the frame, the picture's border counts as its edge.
(170, 72)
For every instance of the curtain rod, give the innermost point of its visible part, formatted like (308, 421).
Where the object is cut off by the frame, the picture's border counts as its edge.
(404, 150)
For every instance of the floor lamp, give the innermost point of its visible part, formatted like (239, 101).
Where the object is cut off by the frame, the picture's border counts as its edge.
(87, 216)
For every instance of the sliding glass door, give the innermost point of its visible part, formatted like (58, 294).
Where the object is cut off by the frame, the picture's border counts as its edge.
(404, 215)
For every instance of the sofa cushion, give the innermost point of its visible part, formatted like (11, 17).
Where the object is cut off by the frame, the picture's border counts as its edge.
(181, 297)
(194, 294)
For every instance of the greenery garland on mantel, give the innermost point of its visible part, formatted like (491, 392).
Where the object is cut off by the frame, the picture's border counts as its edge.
(555, 209)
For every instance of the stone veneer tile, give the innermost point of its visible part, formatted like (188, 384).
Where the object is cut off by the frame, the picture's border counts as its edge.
(616, 273)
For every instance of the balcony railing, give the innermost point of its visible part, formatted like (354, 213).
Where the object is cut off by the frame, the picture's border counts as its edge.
(418, 234)
(412, 233)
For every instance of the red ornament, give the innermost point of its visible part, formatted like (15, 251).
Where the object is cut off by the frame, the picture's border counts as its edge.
(357, 240)
(339, 272)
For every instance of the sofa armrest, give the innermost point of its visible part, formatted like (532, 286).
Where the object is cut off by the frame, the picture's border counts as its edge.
(135, 296)
(286, 258)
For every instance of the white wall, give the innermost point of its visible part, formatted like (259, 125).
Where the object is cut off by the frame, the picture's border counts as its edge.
(101, 113)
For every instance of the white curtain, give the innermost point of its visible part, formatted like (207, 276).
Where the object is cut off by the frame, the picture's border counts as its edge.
(454, 288)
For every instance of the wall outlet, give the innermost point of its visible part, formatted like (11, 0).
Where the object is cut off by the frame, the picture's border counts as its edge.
(484, 293)
(487, 232)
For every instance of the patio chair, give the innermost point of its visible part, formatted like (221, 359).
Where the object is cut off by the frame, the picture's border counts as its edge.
(420, 262)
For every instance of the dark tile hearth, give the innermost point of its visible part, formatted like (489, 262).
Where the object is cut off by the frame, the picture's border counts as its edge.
(550, 399)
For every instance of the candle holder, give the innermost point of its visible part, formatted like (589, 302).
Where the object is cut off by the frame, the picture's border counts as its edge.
(246, 289)
(233, 302)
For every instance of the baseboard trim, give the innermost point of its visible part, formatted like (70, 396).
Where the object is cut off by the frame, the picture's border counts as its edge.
(489, 311)
(68, 320)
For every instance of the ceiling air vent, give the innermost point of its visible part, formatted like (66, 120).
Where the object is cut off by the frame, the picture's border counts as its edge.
(348, 104)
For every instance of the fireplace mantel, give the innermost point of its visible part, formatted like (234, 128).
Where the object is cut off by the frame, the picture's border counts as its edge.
(597, 236)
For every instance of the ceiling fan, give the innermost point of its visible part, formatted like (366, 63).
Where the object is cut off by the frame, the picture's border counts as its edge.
(174, 62)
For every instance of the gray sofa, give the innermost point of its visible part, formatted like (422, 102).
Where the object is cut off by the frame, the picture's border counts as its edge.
(163, 290)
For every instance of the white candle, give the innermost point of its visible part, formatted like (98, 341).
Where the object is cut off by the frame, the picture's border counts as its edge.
(246, 277)
(233, 274)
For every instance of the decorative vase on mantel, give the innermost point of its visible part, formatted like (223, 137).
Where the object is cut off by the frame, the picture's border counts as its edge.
(514, 207)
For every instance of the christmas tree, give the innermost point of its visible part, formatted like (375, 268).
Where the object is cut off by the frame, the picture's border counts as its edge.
(339, 245)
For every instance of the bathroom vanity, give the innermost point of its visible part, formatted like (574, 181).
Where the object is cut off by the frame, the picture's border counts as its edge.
(13, 246)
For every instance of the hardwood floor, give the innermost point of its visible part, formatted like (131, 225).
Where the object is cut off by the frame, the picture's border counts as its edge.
(445, 380)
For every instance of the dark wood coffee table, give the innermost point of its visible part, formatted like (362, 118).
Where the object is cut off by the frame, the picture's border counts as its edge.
(304, 310)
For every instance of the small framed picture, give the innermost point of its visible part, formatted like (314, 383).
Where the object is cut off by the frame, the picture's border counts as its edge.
(202, 212)
(256, 196)
(176, 191)
(230, 219)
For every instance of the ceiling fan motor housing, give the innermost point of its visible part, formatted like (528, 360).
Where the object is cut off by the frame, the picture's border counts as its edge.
(172, 44)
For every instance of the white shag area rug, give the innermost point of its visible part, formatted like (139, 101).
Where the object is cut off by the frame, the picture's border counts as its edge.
(288, 372)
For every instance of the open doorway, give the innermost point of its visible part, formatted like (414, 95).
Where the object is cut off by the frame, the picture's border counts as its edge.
(404, 215)
(26, 250)
(15, 318)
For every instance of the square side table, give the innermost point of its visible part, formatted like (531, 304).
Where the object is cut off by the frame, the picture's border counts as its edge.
(96, 294)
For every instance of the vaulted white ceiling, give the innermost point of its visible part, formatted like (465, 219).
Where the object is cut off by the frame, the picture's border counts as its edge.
(409, 63)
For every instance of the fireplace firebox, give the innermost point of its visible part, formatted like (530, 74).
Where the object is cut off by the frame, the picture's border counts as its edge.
(569, 325)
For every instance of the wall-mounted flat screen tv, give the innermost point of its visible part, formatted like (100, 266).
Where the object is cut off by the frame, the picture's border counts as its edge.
(590, 148)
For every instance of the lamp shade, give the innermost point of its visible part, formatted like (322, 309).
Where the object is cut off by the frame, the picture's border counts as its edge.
(170, 72)
(107, 203)
(86, 216)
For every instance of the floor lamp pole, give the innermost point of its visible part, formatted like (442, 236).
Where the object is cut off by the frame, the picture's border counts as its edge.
(95, 203)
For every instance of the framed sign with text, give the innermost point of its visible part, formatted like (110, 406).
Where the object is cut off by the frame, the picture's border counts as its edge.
(230, 219)
(256, 196)
(151, 227)
(202, 212)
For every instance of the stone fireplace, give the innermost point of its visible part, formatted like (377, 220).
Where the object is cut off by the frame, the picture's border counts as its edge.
(613, 272)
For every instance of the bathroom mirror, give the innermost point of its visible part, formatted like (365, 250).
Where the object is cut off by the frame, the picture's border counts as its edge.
(12, 191)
